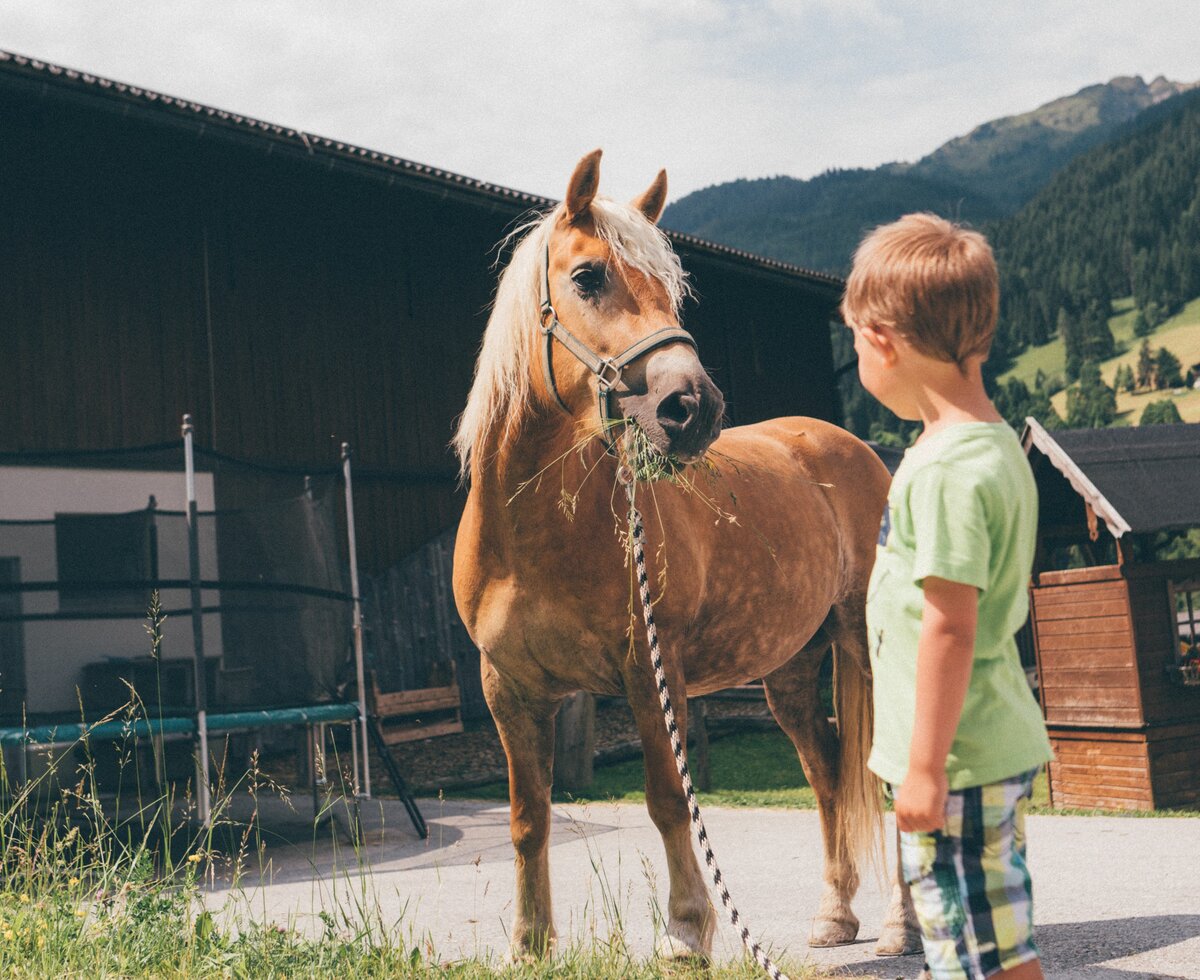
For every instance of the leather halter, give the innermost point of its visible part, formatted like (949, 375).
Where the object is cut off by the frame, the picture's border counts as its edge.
(607, 370)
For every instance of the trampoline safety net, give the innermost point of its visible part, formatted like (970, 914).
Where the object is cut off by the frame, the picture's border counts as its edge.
(86, 538)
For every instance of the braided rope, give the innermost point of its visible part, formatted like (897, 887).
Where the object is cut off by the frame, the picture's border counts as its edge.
(664, 698)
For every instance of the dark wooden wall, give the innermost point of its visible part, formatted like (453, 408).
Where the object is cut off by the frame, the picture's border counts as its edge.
(149, 271)
(1157, 640)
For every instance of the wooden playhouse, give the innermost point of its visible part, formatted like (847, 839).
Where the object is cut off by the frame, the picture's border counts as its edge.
(1115, 627)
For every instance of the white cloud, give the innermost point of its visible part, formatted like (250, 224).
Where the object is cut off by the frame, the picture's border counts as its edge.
(514, 92)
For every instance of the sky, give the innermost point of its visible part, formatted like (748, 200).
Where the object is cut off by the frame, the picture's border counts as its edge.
(515, 91)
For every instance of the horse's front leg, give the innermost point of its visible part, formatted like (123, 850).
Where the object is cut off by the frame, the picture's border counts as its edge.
(691, 920)
(525, 721)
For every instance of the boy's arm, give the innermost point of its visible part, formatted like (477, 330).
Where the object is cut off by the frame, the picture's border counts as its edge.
(945, 654)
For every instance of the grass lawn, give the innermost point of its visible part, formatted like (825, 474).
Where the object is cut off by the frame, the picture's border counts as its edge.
(1180, 334)
(750, 769)
(753, 769)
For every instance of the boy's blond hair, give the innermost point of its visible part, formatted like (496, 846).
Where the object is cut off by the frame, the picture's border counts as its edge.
(932, 281)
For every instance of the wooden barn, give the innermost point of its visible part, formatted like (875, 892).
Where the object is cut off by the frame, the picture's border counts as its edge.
(1115, 629)
(293, 292)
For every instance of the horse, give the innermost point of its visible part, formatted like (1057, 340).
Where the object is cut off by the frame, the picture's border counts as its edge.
(762, 538)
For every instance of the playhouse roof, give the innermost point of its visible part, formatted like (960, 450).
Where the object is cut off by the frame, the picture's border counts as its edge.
(1137, 479)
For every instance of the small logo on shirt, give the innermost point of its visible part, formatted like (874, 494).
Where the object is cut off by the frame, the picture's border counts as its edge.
(885, 525)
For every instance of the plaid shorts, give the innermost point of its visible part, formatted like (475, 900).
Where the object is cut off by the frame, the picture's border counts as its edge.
(970, 885)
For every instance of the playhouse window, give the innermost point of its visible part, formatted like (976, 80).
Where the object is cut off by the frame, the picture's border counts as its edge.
(1186, 602)
(105, 561)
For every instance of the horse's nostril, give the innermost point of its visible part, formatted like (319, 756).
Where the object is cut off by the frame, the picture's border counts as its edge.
(677, 409)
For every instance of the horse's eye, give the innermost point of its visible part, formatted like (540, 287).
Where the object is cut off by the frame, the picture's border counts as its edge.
(588, 279)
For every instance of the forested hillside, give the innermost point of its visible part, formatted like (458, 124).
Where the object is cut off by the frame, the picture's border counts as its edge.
(1102, 261)
(983, 175)
(817, 223)
(1122, 220)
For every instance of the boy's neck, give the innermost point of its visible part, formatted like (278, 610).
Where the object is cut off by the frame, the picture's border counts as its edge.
(944, 395)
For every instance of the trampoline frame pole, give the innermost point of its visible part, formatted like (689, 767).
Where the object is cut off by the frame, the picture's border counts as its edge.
(352, 541)
(202, 775)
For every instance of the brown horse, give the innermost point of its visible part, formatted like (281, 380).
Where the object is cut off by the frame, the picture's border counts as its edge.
(761, 550)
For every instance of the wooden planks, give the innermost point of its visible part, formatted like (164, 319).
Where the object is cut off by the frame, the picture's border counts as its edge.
(1175, 764)
(405, 716)
(1092, 769)
(1086, 662)
(1127, 770)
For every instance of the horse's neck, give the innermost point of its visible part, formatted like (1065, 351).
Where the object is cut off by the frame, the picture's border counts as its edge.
(524, 477)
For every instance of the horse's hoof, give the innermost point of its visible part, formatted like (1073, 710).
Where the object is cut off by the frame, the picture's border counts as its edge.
(833, 932)
(530, 954)
(674, 948)
(898, 940)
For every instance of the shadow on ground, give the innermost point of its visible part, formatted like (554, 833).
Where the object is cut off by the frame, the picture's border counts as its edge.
(1080, 949)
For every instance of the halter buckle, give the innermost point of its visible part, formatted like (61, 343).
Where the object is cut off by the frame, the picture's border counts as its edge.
(608, 373)
(548, 314)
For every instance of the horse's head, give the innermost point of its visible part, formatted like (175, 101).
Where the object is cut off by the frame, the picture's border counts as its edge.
(615, 284)
(589, 304)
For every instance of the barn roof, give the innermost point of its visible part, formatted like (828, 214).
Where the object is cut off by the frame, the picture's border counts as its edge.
(1137, 479)
(206, 120)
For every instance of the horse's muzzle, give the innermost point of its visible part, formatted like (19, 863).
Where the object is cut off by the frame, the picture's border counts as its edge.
(681, 409)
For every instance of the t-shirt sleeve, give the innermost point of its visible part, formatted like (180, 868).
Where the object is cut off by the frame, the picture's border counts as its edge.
(949, 527)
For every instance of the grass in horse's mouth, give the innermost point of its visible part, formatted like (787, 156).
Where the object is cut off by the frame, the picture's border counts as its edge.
(647, 462)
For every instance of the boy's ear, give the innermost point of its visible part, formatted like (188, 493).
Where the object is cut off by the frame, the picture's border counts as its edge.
(883, 339)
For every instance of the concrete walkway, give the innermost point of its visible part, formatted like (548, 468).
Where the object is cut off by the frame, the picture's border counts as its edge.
(1116, 898)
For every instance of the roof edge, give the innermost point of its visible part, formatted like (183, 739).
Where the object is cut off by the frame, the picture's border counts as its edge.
(159, 107)
(1036, 435)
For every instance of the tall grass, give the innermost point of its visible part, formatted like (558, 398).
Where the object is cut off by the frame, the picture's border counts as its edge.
(94, 884)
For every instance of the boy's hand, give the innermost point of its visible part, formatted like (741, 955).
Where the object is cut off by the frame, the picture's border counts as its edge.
(921, 802)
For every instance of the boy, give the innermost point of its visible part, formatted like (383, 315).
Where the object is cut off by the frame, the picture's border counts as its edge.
(958, 733)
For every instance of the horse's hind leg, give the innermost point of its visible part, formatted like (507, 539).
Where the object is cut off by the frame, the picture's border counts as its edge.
(794, 698)
(792, 692)
(901, 932)
(691, 919)
(526, 726)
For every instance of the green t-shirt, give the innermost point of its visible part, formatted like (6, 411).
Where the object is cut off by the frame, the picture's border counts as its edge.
(962, 507)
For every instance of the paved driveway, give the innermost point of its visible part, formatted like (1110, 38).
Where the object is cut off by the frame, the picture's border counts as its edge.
(1116, 898)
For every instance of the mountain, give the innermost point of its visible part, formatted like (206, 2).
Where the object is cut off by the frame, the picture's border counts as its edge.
(981, 176)
(817, 223)
(1010, 159)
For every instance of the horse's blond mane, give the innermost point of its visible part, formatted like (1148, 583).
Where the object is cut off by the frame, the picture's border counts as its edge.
(500, 395)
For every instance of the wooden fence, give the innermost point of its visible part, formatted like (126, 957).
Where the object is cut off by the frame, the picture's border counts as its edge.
(412, 630)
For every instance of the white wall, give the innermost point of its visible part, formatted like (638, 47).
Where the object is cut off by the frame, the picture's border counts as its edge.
(55, 652)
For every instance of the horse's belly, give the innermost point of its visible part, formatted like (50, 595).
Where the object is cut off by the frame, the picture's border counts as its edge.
(738, 645)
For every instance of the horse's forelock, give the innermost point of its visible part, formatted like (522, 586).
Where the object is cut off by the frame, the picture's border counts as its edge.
(644, 246)
(501, 391)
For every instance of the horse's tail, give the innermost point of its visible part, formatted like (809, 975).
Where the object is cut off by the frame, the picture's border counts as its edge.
(859, 797)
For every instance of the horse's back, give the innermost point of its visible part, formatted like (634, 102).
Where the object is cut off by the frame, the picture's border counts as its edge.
(816, 445)
(823, 459)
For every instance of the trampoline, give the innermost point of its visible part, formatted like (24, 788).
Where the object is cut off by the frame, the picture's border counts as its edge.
(248, 555)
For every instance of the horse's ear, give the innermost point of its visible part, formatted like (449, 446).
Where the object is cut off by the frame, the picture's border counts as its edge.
(584, 182)
(652, 200)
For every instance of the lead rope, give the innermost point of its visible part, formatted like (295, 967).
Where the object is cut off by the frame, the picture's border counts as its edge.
(664, 698)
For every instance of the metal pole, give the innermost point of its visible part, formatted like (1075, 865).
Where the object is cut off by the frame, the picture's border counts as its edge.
(200, 686)
(365, 791)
